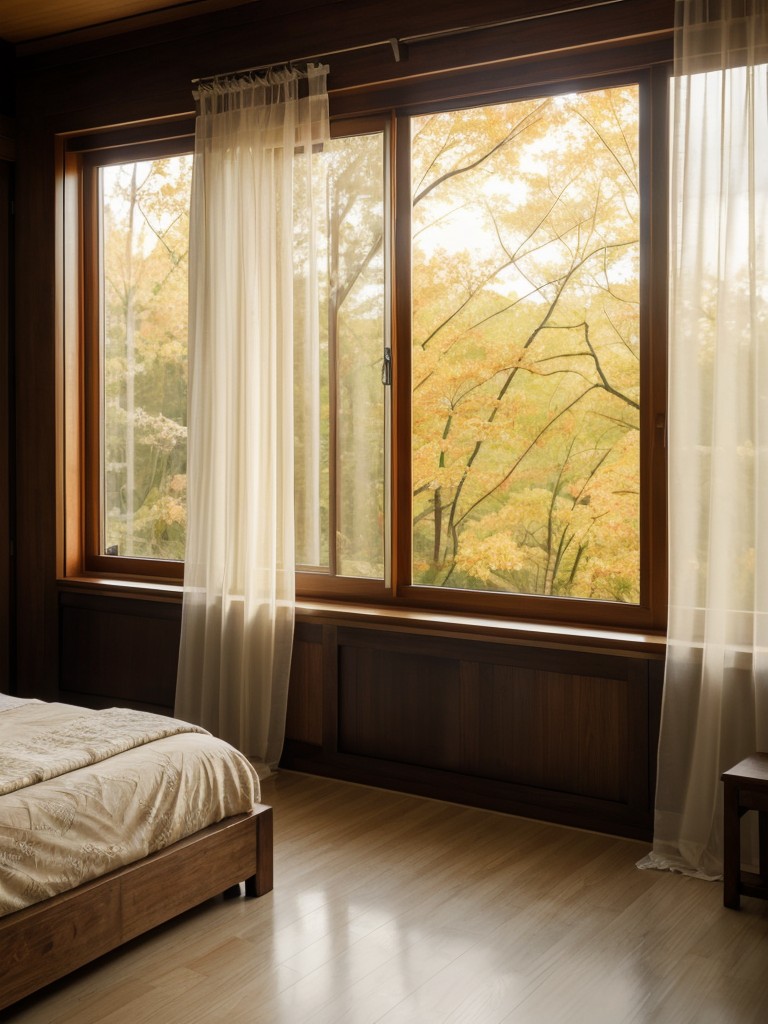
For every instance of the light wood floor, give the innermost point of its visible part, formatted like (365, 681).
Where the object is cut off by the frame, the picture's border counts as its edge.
(396, 909)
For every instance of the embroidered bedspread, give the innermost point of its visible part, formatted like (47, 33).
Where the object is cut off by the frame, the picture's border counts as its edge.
(99, 798)
(43, 741)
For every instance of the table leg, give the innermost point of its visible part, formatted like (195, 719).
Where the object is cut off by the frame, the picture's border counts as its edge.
(731, 846)
(762, 841)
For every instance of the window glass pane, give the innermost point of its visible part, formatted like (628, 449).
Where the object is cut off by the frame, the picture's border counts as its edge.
(144, 220)
(340, 511)
(526, 382)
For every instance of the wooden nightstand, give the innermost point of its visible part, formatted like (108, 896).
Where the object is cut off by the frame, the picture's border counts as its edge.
(745, 789)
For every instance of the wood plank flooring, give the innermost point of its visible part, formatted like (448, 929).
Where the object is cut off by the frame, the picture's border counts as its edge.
(391, 908)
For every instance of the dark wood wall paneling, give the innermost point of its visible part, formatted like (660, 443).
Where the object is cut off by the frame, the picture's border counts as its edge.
(149, 73)
(35, 414)
(6, 587)
(7, 156)
(560, 734)
(121, 651)
(7, 71)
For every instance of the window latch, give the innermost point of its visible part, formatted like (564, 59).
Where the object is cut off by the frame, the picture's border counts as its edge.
(386, 369)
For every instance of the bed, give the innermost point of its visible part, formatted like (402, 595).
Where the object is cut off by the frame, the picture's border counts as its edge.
(112, 822)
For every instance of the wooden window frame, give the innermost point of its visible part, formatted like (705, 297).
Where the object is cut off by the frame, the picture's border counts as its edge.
(78, 292)
(318, 583)
(353, 111)
(650, 612)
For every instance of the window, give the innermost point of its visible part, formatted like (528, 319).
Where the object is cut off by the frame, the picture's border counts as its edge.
(526, 346)
(144, 232)
(135, 229)
(136, 239)
(481, 428)
(341, 405)
(531, 353)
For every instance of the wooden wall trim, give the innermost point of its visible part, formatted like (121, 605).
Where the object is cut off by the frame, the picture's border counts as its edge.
(35, 412)
(354, 23)
(424, 622)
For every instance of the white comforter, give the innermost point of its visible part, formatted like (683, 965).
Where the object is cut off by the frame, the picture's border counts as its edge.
(95, 809)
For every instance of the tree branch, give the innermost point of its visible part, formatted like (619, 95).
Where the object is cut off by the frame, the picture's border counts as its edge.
(528, 121)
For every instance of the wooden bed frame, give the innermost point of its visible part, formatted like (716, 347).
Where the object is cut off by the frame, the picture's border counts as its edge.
(52, 938)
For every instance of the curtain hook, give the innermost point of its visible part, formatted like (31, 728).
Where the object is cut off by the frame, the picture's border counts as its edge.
(399, 50)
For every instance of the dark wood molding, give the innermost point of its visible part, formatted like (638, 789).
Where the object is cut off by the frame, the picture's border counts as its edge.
(494, 629)
(284, 24)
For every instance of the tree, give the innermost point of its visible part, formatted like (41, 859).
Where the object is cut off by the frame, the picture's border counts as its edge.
(145, 216)
(347, 472)
(525, 346)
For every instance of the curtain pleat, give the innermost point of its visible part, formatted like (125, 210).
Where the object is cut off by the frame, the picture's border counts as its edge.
(252, 136)
(714, 709)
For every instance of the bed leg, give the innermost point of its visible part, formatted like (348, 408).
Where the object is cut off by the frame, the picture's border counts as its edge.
(261, 882)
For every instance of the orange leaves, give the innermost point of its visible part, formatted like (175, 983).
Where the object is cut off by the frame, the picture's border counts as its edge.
(525, 334)
(490, 558)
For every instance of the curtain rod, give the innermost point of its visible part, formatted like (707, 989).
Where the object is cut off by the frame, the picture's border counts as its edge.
(400, 45)
(302, 60)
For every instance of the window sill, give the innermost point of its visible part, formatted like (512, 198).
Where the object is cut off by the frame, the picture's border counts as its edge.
(145, 590)
(534, 634)
(423, 621)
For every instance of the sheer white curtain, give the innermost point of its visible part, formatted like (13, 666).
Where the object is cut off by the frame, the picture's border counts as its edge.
(715, 708)
(254, 136)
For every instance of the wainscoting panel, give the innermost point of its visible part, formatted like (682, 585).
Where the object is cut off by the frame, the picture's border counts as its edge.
(304, 720)
(561, 734)
(399, 706)
(556, 731)
(118, 652)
